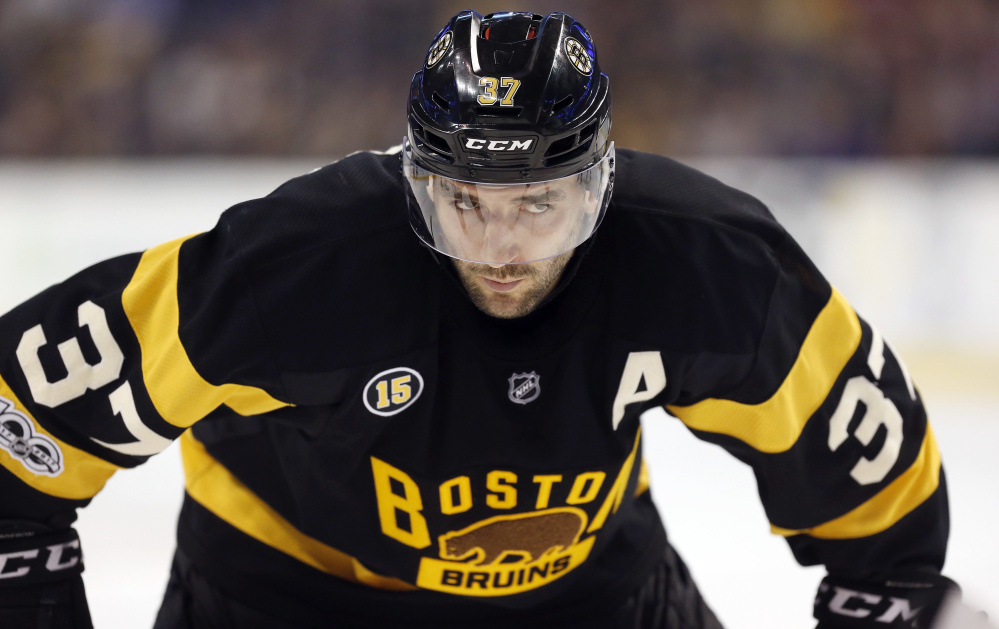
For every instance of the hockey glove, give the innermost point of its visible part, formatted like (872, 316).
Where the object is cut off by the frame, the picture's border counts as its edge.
(41, 583)
(908, 601)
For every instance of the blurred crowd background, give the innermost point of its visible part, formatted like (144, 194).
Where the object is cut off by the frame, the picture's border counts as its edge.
(689, 77)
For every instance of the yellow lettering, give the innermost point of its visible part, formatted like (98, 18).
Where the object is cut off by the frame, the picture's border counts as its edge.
(585, 488)
(499, 578)
(383, 399)
(391, 505)
(545, 490)
(464, 486)
(511, 84)
(489, 95)
(504, 495)
(401, 391)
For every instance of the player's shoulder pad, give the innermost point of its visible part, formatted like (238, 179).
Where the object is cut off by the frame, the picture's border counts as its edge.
(653, 184)
(358, 196)
(673, 235)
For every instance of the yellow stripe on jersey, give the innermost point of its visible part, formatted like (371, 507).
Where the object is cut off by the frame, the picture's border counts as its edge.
(616, 494)
(85, 475)
(643, 479)
(216, 489)
(179, 393)
(775, 425)
(889, 505)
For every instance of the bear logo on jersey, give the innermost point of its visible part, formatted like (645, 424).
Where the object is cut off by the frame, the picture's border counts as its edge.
(526, 537)
(524, 387)
(502, 553)
(508, 554)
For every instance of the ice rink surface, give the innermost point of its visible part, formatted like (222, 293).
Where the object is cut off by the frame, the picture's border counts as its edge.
(54, 221)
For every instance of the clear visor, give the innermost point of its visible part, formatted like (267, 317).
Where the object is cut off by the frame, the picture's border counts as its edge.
(513, 223)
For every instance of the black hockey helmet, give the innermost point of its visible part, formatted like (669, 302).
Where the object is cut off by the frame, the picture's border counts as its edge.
(508, 102)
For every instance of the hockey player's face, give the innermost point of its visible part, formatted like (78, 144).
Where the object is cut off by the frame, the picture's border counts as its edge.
(511, 224)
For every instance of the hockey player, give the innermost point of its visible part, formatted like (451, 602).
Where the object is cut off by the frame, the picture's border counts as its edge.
(382, 430)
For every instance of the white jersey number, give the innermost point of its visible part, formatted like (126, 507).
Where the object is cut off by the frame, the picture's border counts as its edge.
(878, 411)
(81, 377)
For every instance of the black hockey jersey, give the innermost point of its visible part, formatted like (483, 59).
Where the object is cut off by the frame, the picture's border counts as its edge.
(357, 436)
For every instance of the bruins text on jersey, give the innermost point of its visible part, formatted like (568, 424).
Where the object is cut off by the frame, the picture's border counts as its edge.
(443, 429)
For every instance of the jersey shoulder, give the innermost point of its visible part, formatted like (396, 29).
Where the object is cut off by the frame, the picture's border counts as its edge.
(657, 186)
(666, 215)
(327, 252)
(699, 266)
(350, 199)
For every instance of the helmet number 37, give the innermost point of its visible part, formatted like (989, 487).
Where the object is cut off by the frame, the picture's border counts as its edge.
(490, 93)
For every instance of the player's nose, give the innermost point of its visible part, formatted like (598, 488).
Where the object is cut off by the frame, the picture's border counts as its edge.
(500, 246)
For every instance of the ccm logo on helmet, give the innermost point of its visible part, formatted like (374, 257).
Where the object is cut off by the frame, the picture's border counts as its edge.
(481, 144)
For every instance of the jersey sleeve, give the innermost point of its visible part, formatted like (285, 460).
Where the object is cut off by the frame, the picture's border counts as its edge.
(836, 432)
(103, 370)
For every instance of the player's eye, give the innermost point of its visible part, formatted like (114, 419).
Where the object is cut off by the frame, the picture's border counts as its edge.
(464, 202)
(538, 208)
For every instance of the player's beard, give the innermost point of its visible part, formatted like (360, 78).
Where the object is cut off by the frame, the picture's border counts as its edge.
(540, 278)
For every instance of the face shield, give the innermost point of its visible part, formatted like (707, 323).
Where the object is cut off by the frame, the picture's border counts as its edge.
(510, 223)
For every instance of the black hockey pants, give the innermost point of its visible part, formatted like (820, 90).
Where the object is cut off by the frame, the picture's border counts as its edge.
(668, 599)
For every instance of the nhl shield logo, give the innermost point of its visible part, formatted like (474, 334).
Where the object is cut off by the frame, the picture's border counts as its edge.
(524, 387)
